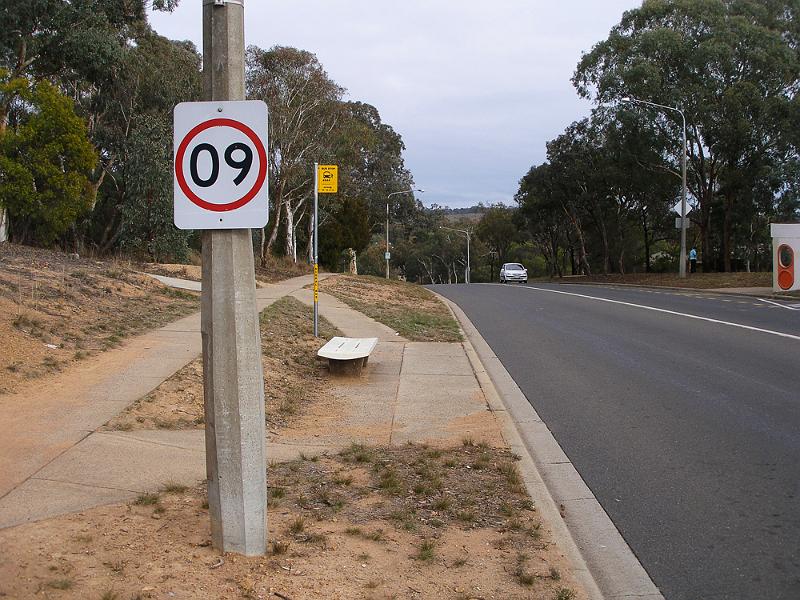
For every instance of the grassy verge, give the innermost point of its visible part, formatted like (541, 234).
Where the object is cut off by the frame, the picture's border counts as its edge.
(693, 281)
(279, 268)
(411, 310)
(292, 375)
(56, 309)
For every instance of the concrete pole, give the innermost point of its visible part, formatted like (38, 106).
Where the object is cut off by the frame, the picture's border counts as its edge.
(233, 377)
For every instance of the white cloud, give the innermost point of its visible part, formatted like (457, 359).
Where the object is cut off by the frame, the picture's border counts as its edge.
(469, 85)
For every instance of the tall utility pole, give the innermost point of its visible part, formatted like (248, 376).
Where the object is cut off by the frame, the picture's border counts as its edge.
(682, 268)
(233, 376)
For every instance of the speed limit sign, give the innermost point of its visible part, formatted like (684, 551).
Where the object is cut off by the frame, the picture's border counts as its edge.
(220, 152)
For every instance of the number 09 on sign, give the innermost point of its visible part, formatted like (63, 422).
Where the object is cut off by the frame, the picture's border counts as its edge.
(220, 165)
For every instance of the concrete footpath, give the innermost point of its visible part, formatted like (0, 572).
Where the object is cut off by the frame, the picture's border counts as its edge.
(52, 460)
(56, 462)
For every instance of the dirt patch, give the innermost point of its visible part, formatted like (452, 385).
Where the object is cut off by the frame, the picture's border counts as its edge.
(56, 309)
(696, 280)
(413, 522)
(293, 377)
(411, 310)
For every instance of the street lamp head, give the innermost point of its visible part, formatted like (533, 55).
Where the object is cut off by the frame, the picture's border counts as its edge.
(421, 190)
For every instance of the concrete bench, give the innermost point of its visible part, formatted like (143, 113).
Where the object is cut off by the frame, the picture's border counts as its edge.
(347, 356)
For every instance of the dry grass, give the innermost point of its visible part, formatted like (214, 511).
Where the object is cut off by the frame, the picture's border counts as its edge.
(328, 538)
(695, 281)
(274, 270)
(279, 268)
(56, 309)
(411, 310)
(293, 377)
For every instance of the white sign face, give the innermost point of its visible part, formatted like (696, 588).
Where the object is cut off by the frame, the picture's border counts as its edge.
(220, 154)
(677, 208)
(678, 222)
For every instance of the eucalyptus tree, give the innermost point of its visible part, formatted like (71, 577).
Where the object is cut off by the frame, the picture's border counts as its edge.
(369, 154)
(607, 185)
(45, 163)
(498, 230)
(542, 217)
(304, 105)
(132, 124)
(732, 66)
(86, 48)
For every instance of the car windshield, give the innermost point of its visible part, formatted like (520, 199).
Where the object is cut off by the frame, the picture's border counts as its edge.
(514, 267)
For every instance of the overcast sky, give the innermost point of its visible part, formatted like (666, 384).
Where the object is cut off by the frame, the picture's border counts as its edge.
(476, 89)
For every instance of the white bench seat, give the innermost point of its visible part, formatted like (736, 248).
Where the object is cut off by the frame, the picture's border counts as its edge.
(347, 355)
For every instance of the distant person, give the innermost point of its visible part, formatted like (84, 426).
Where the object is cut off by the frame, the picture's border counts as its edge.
(693, 260)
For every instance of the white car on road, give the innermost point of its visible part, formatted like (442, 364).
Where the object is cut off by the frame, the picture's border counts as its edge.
(513, 272)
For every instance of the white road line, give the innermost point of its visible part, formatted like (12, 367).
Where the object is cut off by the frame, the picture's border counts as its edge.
(665, 311)
(777, 304)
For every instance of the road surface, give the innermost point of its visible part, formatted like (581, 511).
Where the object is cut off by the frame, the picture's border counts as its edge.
(680, 410)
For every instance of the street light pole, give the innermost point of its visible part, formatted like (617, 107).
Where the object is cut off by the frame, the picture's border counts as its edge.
(466, 233)
(682, 269)
(408, 191)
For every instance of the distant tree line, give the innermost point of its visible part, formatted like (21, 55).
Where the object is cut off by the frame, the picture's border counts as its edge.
(603, 200)
(87, 91)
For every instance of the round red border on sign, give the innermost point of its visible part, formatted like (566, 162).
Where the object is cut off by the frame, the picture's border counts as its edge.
(262, 168)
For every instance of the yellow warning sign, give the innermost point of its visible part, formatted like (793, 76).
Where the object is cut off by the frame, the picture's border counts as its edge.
(327, 179)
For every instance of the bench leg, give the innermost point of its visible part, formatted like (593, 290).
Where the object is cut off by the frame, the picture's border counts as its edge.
(350, 368)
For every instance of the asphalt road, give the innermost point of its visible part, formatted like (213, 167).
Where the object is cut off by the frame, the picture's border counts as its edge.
(687, 430)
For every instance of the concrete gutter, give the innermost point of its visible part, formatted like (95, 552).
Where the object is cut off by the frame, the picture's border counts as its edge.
(601, 559)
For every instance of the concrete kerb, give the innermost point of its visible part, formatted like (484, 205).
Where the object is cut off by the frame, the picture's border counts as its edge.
(601, 559)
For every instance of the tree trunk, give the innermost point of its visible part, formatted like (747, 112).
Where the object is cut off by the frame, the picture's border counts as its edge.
(604, 242)
(3, 224)
(646, 231)
(727, 234)
(273, 235)
(288, 245)
(705, 235)
(573, 270)
(621, 238)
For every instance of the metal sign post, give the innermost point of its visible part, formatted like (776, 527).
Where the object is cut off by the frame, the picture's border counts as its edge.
(316, 250)
(326, 181)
